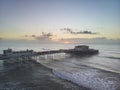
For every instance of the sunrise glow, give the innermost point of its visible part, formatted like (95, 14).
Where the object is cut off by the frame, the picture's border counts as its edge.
(32, 17)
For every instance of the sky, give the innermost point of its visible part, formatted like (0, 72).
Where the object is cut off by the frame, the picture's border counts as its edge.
(59, 19)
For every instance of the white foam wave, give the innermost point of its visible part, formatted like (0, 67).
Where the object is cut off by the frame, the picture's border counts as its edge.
(89, 78)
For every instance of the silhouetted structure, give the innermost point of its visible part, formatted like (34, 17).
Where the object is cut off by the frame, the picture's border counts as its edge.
(30, 54)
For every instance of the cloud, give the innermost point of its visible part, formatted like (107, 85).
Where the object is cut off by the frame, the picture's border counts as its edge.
(97, 40)
(47, 34)
(69, 30)
(45, 37)
(33, 35)
(30, 36)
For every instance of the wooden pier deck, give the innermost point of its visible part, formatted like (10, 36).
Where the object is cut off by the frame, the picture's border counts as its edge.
(50, 52)
(78, 50)
(32, 56)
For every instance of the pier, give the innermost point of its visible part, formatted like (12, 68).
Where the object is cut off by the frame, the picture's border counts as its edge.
(11, 56)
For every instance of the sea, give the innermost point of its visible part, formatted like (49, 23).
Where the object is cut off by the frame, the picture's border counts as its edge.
(97, 72)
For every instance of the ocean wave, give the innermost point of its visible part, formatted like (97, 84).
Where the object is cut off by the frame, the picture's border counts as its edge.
(89, 78)
(113, 57)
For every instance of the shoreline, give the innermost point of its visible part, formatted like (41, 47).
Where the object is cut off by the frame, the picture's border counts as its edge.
(35, 77)
(39, 76)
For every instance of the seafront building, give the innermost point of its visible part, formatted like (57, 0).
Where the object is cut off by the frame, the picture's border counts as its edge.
(9, 53)
(81, 47)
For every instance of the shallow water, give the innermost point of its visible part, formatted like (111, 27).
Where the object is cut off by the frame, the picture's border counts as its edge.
(97, 72)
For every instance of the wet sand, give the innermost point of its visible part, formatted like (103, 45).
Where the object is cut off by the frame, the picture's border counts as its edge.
(34, 77)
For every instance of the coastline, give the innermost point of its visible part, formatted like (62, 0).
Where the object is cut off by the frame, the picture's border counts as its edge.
(34, 77)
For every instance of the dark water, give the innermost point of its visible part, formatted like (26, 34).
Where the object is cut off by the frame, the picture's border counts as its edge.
(97, 72)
